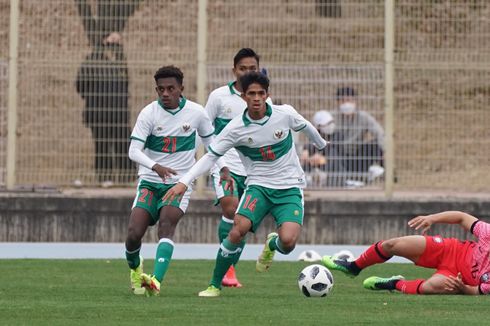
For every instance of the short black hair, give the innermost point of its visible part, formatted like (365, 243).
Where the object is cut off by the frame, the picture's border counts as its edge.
(245, 53)
(169, 72)
(254, 77)
(345, 91)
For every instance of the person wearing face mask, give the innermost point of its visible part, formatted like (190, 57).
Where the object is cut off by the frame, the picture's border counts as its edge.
(317, 163)
(357, 144)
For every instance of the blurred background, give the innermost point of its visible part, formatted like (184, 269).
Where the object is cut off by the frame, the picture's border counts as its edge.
(437, 69)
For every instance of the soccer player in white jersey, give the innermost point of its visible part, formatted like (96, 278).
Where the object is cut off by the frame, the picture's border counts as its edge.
(163, 143)
(263, 137)
(462, 267)
(224, 104)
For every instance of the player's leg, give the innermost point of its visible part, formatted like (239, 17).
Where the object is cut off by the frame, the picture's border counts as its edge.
(139, 221)
(410, 247)
(228, 205)
(434, 285)
(228, 202)
(284, 242)
(170, 214)
(229, 249)
(287, 210)
(431, 252)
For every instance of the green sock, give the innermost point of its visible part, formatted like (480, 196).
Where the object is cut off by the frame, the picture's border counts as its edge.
(224, 259)
(133, 258)
(224, 228)
(276, 244)
(162, 259)
(241, 245)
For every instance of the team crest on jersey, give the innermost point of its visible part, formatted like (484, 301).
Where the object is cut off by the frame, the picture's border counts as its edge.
(484, 278)
(186, 126)
(278, 134)
(437, 239)
(228, 110)
(159, 129)
(250, 140)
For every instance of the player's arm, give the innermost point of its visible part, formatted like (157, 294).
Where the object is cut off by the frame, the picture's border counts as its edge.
(299, 123)
(455, 285)
(424, 222)
(137, 155)
(204, 164)
(211, 107)
(314, 136)
(206, 132)
(221, 144)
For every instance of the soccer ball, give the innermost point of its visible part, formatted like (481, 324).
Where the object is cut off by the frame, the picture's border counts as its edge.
(309, 256)
(344, 255)
(315, 281)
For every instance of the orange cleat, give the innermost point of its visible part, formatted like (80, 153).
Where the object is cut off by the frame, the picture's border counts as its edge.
(230, 279)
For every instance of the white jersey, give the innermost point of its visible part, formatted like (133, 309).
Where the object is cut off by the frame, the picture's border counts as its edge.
(170, 137)
(224, 104)
(265, 147)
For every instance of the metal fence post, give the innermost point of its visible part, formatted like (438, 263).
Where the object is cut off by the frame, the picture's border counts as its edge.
(389, 159)
(12, 92)
(202, 34)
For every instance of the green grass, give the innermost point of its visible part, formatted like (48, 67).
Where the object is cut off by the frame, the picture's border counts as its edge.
(96, 292)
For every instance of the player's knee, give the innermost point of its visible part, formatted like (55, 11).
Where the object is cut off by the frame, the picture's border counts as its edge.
(235, 235)
(229, 207)
(133, 237)
(288, 244)
(229, 212)
(166, 230)
(389, 245)
(429, 287)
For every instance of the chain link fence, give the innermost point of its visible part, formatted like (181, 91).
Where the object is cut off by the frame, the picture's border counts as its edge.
(310, 48)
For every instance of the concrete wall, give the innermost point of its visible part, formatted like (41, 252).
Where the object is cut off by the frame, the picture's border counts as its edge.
(62, 218)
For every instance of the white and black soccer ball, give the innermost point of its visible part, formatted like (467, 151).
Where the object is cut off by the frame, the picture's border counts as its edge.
(309, 256)
(344, 255)
(315, 281)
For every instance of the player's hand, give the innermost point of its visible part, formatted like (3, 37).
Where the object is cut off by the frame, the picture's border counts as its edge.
(163, 172)
(421, 222)
(454, 285)
(225, 176)
(175, 192)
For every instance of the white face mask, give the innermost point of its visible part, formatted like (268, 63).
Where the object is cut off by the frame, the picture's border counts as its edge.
(347, 107)
(327, 129)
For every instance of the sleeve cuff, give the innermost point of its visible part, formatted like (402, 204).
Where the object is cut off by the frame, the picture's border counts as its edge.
(136, 138)
(211, 150)
(473, 226)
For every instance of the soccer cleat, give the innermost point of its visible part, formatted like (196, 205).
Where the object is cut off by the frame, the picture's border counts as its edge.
(210, 292)
(230, 279)
(135, 279)
(265, 259)
(380, 283)
(151, 284)
(345, 266)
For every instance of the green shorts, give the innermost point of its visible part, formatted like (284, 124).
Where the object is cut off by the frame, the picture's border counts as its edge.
(285, 205)
(219, 187)
(149, 197)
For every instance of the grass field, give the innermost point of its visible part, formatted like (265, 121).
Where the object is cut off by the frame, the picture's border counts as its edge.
(96, 292)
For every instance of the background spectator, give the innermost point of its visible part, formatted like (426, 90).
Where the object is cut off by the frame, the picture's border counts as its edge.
(357, 144)
(102, 81)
